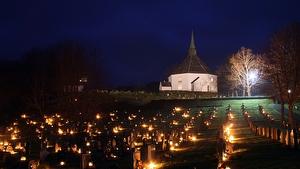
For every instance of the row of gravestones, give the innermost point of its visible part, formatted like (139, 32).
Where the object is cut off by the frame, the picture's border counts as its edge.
(285, 136)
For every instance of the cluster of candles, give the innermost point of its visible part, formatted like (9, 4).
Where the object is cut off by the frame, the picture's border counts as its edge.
(267, 115)
(134, 128)
(228, 138)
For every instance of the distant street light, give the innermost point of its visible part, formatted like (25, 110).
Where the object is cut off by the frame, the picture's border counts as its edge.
(289, 91)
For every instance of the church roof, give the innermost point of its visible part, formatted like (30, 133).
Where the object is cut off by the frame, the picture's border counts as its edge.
(192, 63)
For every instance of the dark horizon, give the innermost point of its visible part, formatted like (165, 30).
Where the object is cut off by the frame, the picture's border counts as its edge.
(139, 42)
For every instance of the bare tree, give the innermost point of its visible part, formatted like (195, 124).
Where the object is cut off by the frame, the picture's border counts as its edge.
(246, 70)
(284, 68)
(273, 73)
(224, 87)
(225, 84)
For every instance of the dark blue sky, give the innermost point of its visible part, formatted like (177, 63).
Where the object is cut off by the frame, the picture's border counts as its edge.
(140, 40)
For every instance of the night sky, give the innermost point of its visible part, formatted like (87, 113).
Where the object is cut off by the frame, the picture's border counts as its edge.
(140, 40)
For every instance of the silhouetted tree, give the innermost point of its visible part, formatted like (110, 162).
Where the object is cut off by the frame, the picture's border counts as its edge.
(284, 67)
(57, 74)
(224, 86)
(11, 88)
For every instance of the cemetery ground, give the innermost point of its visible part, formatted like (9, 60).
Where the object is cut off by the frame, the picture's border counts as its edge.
(251, 151)
(201, 153)
(209, 133)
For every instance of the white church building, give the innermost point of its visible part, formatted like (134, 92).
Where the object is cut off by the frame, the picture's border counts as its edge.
(191, 75)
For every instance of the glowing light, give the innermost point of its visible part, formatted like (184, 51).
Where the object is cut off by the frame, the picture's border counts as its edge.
(175, 122)
(224, 157)
(13, 137)
(23, 158)
(24, 116)
(231, 139)
(231, 116)
(49, 121)
(150, 128)
(91, 164)
(33, 122)
(62, 163)
(193, 138)
(253, 75)
(98, 116)
(57, 148)
(18, 146)
(177, 109)
(152, 165)
(88, 144)
(60, 131)
(289, 91)
(185, 115)
(113, 156)
(227, 130)
(117, 129)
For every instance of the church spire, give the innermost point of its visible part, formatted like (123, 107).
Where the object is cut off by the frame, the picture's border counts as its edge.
(192, 45)
(191, 63)
(192, 49)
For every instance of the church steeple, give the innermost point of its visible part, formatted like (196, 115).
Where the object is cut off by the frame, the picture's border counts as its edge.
(192, 63)
(192, 49)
